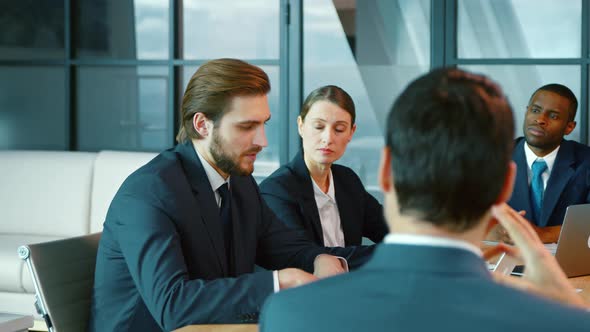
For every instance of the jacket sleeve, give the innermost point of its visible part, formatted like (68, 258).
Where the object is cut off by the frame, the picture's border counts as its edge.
(284, 206)
(151, 248)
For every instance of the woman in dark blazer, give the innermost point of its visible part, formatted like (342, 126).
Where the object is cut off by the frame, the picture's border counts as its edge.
(327, 201)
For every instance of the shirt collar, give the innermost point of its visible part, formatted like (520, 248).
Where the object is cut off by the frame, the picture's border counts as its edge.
(321, 197)
(432, 241)
(215, 179)
(531, 157)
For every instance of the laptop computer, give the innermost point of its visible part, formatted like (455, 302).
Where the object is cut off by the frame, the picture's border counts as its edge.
(573, 246)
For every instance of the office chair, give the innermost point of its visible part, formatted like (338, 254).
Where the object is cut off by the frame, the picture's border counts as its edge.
(63, 276)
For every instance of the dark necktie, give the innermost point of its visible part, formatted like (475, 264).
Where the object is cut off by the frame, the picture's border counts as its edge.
(538, 167)
(225, 216)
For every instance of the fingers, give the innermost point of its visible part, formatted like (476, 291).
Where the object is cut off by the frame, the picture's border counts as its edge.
(500, 249)
(517, 227)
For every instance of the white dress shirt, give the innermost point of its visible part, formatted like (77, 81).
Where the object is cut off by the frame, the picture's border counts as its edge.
(216, 181)
(549, 159)
(329, 215)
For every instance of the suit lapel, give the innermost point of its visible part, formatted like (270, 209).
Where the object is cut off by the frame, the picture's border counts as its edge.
(307, 202)
(520, 199)
(560, 176)
(346, 210)
(205, 199)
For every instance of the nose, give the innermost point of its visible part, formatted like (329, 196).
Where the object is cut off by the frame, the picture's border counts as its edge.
(327, 135)
(541, 119)
(260, 137)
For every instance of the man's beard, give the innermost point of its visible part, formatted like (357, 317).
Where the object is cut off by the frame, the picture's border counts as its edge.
(224, 160)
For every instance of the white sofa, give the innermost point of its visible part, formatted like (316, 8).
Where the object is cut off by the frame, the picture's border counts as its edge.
(51, 195)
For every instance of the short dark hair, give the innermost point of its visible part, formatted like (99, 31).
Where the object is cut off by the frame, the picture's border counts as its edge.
(211, 89)
(333, 94)
(563, 91)
(450, 137)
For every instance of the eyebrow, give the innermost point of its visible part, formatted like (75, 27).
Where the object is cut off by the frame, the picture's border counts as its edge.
(253, 121)
(552, 110)
(337, 122)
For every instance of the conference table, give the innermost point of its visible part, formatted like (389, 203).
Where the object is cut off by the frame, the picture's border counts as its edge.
(220, 328)
(582, 283)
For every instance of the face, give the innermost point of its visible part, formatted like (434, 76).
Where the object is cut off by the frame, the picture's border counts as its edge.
(547, 121)
(325, 132)
(239, 135)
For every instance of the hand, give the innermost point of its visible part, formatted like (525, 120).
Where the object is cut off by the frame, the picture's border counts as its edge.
(543, 275)
(292, 277)
(499, 234)
(326, 265)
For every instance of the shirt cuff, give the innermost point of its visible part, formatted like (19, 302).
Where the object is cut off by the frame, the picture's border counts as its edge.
(343, 262)
(275, 281)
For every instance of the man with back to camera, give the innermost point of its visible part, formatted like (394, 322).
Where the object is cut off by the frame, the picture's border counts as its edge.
(552, 173)
(428, 274)
(183, 233)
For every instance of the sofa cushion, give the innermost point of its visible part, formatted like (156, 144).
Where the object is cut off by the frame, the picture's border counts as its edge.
(111, 168)
(14, 275)
(46, 193)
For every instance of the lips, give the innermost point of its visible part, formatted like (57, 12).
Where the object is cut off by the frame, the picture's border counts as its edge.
(325, 151)
(251, 154)
(536, 131)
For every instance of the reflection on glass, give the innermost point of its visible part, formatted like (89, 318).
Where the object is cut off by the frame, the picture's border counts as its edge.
(31, 29)
(267, 161)
(32, 108)
(122, 29)
(123, 108)
(229, 28)
(520, 81)
(391, 40)
(519, 28)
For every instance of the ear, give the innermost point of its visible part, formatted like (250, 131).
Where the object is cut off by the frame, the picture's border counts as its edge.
(300, 125)
(385, 172)
(570, 127)
(201, 124)
(352, 130)
(508, 185)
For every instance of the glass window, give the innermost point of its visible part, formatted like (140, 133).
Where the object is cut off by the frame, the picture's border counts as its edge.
(32, 29)
(267, 161)
(229, 28)
(32, 108)
(519, 29)
(123, 108)
(520, 81)
(387, 46)
(122, 29)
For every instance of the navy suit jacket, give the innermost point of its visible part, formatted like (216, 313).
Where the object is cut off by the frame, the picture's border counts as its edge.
(161, 262)
(289, 193)
(416, 288)
(569, 183)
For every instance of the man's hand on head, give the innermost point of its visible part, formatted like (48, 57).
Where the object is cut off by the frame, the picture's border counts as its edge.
(543, 274)
(499, 234)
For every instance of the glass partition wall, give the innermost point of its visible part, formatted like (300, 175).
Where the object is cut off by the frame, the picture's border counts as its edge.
(91, 75)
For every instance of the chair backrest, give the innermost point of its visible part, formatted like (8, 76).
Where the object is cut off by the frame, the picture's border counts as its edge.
(63, 276)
